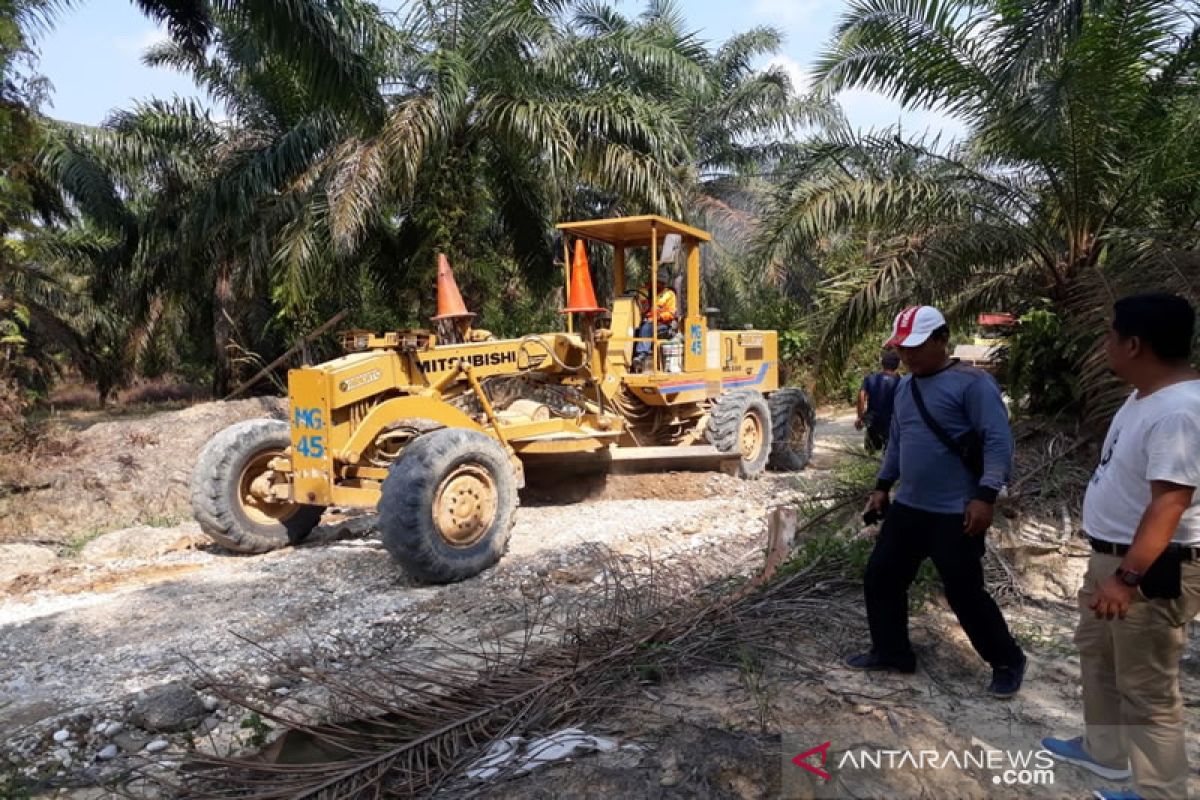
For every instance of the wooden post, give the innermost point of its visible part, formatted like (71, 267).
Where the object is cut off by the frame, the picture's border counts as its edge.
(269, 368)
(781, 534)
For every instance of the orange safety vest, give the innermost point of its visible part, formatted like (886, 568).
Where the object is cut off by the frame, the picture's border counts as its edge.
(665, 305)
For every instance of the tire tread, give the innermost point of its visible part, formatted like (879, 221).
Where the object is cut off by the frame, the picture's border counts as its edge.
(405, 508)
(784, 404)
(211, 497)
(724, 425)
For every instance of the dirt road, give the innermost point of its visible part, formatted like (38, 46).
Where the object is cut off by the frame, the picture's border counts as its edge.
(81, 635)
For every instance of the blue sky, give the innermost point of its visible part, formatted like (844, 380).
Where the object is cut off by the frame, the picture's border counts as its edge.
(92, 57)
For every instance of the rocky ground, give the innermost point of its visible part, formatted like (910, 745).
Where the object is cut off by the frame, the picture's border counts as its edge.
(87, 473)
(90, 622)
(114, 642)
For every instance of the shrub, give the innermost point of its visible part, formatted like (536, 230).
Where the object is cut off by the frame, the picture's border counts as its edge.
(1039, 364)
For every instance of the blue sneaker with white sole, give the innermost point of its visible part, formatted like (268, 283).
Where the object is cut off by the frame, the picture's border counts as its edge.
(1113, 794)
(1071, 751)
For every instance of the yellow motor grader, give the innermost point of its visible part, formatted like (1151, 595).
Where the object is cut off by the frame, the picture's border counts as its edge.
(434, 427)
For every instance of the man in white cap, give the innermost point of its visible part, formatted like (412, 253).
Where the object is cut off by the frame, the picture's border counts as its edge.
(950, 447)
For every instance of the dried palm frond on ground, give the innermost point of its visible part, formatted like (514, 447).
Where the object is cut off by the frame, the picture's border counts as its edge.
(1051, 462)
(411, 724)
(1000, 577)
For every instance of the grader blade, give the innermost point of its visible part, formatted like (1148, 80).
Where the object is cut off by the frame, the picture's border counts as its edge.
(631, 460)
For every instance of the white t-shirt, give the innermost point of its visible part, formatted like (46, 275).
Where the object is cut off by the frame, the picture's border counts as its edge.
(1156, 438)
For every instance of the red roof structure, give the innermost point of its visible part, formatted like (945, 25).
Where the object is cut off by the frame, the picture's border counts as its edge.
(999, 320)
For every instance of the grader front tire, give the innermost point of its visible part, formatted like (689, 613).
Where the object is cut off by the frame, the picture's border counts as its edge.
(448, 505)
(740, 423)
(221, 500)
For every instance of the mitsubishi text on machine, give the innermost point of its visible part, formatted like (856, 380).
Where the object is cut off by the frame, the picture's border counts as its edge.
(434, 364)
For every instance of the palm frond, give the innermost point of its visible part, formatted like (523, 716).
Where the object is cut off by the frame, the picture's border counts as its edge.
(327, 41)
(927, 53)
(68, 164)
(187, 21)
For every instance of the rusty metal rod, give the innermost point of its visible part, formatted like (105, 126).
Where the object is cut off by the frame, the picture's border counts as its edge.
(269, 368)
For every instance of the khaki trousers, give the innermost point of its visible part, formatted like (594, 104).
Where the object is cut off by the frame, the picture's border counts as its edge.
(1131, 699)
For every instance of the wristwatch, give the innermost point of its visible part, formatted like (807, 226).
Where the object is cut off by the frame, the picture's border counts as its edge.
(1128, 576)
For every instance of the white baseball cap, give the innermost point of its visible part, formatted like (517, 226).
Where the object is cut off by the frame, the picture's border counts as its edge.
(913, 326)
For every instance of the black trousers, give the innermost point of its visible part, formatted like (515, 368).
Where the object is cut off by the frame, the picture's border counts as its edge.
(908, 537)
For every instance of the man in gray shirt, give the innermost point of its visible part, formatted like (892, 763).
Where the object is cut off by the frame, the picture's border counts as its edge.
(950, 447)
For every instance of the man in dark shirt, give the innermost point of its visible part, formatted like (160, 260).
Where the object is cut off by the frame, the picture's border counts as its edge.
(944, 502)
(875, 402)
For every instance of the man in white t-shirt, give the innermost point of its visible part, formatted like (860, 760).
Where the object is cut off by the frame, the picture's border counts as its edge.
(1142, 518)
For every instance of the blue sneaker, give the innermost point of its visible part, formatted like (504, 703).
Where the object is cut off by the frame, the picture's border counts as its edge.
(1071, 751)
(1113, 794)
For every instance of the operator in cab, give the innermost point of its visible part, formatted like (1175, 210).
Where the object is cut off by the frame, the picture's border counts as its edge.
(662, 311)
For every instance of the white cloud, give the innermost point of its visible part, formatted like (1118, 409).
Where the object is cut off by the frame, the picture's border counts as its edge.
(870, 110)
(801, 81)
(135, 45)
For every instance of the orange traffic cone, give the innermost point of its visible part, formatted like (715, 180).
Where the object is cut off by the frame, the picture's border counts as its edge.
(449, 302)
(581, 297)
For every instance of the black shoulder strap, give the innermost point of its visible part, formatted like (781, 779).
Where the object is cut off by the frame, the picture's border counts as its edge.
(938, 430)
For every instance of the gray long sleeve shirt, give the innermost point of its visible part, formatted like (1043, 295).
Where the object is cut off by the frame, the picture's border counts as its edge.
(932, 478)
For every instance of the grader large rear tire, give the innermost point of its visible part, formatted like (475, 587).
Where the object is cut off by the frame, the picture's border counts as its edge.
(794, 422)
(221, 498)
(740, 423)
(448, 505)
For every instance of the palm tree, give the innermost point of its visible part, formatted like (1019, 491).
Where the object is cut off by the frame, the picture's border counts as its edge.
(1081, 159)
(500, 119)
(32, 301)
(494, 120)
(167, 202)
(740, 123)
(495, 114)
(198, 207)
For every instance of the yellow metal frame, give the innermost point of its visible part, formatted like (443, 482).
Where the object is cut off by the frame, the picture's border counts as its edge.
(622, 233)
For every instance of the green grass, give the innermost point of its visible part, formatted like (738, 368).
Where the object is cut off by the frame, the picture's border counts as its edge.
(258, 729)
(14, 785)
(752, 669)
(160, 520)
(648, 667)
(830, 546)
(828, 540)
(75, 546)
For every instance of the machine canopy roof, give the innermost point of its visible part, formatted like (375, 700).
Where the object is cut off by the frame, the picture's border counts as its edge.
(632, 231)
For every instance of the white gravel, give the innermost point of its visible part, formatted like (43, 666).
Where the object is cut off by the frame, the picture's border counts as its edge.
(83, 643)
